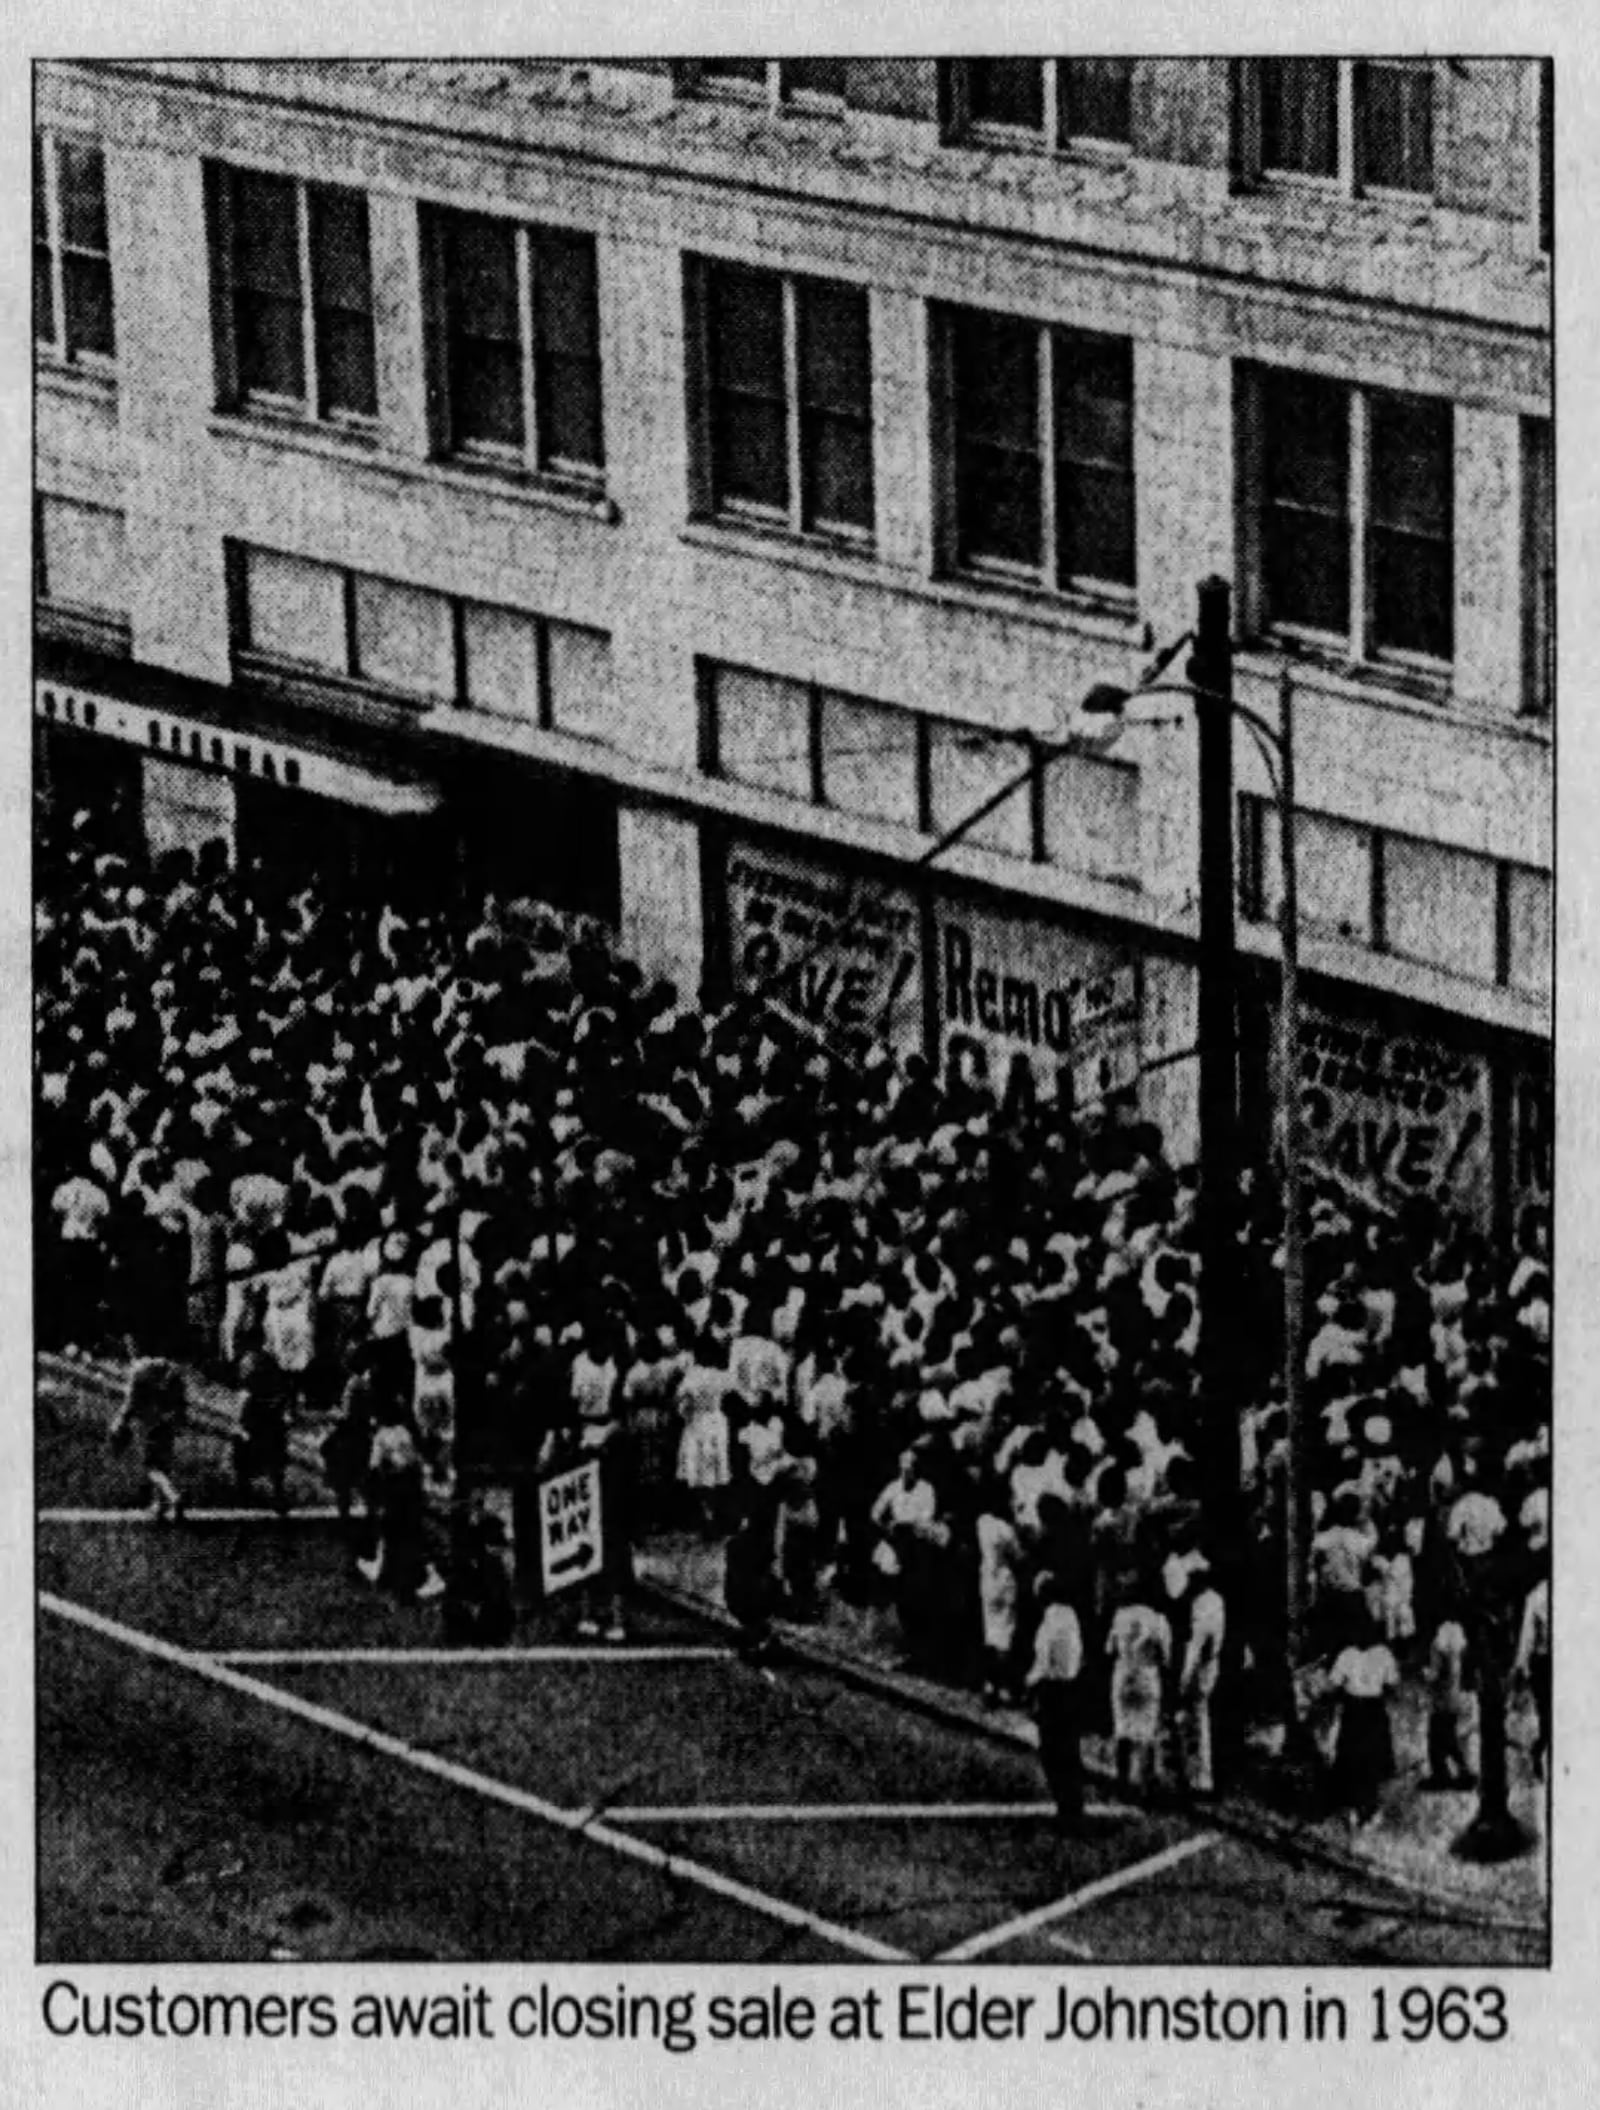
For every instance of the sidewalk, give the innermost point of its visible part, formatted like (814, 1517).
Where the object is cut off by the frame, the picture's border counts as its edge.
(1408, 1848)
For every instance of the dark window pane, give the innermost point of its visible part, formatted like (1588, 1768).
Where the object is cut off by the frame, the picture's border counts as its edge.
(1300, 116)
(1006, 92)
(1395, 122)
(813, 76)
(837, 457)
(86, 284)
(1094, 456)
(82, 172)
(746, 318)
(485, 349)
(266, 244)
(748, 402)
(269, 338)
(734, 70)
(1306, 570)
(1412, 477)
(1096, 99)
(41, 206)
(486, 393)
(995, 374)
(345, 365)
(481, 278)
(569, 411)
(997, 506)
(1095, 512)
(1409, 549)
(341, 279)
(44, 325)
(1413, 593)
(1305, 533)
(835, 348)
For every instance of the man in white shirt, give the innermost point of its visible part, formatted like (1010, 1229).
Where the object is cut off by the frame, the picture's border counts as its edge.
(1054, 1681)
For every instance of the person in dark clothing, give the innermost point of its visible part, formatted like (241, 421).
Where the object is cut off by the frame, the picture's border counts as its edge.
(156, 1403)
(261, 1447)
(477, 1608)
(750, 1587)
(1055, 1687)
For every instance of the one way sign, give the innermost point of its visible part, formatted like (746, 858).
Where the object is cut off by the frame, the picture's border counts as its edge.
(570, 1541)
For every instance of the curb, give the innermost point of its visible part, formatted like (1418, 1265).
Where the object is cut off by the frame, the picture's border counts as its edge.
(1246, 1819)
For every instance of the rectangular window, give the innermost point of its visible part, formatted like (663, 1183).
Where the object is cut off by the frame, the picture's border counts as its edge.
(1394, 125)
(404, 639)
(1439, 907)
(1539, 567)
(504, 662)
(788, 400)
(806, 83)
(763, 726)
(72, 307)
(1530, 931)
(583, 691)
(82, 560)
(869, 760)
(295, 611)
(1300, 116)
(1049, 103)
(516, 343)
(1094, 100)
(1333, 873)
(1354, 515)
(1040, 436)
(292, 271)
(1091, 816)
(967, 767)
(1410, 532)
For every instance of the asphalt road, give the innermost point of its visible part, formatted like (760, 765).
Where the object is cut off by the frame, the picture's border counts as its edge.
(244, 1753)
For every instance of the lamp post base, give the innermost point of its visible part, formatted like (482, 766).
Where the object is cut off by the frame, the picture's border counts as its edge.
(1494, 1835)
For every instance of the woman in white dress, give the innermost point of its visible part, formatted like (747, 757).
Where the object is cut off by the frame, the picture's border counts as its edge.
(703, 1462)
(1140, 1648)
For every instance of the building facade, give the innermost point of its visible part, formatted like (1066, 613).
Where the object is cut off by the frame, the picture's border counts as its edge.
(682, 492)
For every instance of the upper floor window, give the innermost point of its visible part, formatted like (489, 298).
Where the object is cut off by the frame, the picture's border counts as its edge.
(1038, 453)
(293, 296)
(1351, 508)
(1364, 125)
(799, 83)
(81, 570)
(1053, 103)
(516, 344)
(1539, 567)
(72, 310)
(785, 417)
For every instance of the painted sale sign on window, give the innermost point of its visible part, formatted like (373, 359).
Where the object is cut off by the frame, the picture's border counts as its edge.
(1029, 1008)
(1393, 1116)
(836, 953)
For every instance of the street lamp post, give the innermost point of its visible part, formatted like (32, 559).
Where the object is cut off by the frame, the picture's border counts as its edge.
(1216, 708)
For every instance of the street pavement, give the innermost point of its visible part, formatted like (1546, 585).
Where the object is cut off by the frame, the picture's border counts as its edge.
(245, 1752)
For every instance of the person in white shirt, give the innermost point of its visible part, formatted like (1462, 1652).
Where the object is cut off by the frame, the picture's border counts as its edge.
(1140, 1647)
(1364, 1675)
(1055, 1679)
(1202, 1623)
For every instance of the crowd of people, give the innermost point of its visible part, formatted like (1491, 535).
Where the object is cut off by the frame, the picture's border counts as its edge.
(477, 1198)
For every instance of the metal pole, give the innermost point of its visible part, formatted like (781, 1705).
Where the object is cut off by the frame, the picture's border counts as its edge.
(1294, 1317)
(1210, 672)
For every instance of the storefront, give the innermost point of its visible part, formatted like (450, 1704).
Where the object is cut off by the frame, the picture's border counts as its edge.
(1009, 998)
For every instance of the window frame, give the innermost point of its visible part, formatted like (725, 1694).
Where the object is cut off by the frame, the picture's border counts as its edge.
(961, 128)
(58, 348)
(1351, 138)
(796, 518)
(529, 461)
(1357, 644)
(1540, 622)
(232, 396)
(817, 694)
(104, 629)
(777, 90)
(1052, 341)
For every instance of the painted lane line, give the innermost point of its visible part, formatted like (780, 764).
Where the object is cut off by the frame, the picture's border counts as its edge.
(675, 1866)
(836, 1812)
(1068, 1947)
(622, 1652)
(1090, 1894)
(189, 1516)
